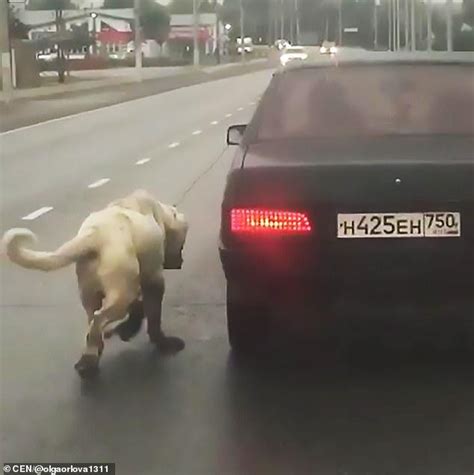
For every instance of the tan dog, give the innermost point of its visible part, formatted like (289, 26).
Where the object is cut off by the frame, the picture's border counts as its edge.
(120, 253)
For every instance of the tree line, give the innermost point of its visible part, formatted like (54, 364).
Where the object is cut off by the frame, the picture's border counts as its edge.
(266, 19)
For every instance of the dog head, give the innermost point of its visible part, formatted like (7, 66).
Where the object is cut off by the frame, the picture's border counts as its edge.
(176, 229)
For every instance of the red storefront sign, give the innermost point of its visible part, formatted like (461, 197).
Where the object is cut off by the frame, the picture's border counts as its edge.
(185, 33)
(109, 35)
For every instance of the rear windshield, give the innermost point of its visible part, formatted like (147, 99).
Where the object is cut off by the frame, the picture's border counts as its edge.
(294, 50)
(369, 101)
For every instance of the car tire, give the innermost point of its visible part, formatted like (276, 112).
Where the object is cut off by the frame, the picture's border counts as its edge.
(247, 320)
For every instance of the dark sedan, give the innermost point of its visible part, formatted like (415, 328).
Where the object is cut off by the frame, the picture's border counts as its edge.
(351, 178)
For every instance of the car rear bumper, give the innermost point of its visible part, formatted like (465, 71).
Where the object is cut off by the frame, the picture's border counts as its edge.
(405, 302)
(431, 275)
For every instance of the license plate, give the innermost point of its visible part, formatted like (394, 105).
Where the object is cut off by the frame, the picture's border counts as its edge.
(399, 225)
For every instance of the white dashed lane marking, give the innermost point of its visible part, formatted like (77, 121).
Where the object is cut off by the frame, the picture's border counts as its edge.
(228, 115)
(36, 214)
(197, 132)
(142, 161)
(174, 145)
(214, 122)
(240, 109)
(98, 183)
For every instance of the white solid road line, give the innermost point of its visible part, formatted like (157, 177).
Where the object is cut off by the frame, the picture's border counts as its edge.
(142, 161)
(98, 183)
(214, 122)
(197, 132)
(174, 145)
(37, 213)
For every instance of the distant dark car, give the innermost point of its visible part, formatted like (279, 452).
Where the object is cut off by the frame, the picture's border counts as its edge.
(350, 178)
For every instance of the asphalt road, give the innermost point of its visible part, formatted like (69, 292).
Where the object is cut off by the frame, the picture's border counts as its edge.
(199, 412)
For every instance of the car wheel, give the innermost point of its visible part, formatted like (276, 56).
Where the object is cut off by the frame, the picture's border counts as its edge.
(247, 320)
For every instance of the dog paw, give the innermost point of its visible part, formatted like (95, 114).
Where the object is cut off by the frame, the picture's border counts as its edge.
(128, 329)
(169, 345)
(87, 366)
(109, 333)
(125, 332)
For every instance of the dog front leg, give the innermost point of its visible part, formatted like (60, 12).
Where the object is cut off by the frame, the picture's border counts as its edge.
(153, 292)
(130, 327)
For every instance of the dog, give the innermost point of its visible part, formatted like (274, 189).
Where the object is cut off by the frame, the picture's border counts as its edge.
(120, 253)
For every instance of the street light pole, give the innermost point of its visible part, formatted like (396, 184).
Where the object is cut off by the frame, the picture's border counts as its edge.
(5, 58)
(218, 38)
(196, 4)
(398, 24)
(407, 25)
(449, 25)
(394, 25)
(94, 33)
(292, 26)
(339, 14)
(60, 52)
(282, 19)
(138, 38)
(242, 33)
(297, 13)
(429, 25)
(376, 26)
(389, 29)
(270, 40)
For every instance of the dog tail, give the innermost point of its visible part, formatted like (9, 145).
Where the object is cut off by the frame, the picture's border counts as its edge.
(17, 244)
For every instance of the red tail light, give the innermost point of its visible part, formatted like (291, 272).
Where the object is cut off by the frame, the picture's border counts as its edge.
(265, 221)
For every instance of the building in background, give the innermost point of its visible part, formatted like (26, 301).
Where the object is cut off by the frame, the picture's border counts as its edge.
(180, 40)
(112, 29)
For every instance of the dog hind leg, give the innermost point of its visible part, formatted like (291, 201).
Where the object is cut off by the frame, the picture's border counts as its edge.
(114, 307)
(92, 302)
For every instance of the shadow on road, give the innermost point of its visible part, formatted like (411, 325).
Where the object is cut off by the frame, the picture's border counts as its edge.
(369, 412)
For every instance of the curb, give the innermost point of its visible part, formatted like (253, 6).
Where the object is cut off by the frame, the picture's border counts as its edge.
(91, 84)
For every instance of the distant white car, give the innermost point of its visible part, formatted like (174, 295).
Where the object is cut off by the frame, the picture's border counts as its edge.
(120, 55)
(293, 53)
(282, 44)
(247, 47)
(47, 56)
(328, 47)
